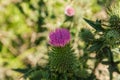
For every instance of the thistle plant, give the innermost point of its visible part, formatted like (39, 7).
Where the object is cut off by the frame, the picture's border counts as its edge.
(63, 64)
(114, 24)
(109, 38)
(61, 57)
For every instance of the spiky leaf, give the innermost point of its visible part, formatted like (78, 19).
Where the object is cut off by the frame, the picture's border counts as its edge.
(96, 25)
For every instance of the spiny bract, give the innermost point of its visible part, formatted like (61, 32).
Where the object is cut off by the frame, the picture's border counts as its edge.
(114, 22)
(112, 37)
(62, 59)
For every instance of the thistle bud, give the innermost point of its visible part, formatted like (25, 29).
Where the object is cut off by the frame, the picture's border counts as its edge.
(86, 35)
(114, 22)
(112, 37)
(69, 11)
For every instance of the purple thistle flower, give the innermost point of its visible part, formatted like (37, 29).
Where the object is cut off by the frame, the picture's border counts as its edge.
(60, 37)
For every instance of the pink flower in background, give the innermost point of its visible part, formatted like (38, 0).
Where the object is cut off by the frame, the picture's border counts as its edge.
(60, 37)
(69, 11)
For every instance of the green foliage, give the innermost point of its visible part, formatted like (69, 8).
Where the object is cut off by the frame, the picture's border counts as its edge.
(96, 46)
(108, 39)
(34, 73)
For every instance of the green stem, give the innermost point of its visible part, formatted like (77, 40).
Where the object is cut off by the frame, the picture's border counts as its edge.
(111, 60)
(110, 55)
(111, 77)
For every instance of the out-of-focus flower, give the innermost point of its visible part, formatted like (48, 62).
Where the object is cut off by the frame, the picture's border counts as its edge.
(60, 37)
(69, 11)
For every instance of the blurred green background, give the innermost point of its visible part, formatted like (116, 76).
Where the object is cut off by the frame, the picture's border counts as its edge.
(25, 26)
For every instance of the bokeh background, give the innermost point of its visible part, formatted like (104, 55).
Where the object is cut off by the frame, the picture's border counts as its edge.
(25, 26)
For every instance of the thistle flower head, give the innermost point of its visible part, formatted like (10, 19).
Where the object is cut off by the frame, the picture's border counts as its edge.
(69, 11)
(114, 17)
(112, 37)
(60, 37)
(114, 21)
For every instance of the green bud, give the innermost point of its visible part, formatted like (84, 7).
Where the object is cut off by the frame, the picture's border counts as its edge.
(86, 35)
(112, 37)
(114, 22)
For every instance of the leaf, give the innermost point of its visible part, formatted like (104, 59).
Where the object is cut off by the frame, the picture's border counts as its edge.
(96, 47)
(21, 70)
(96, 25)
(26, 72)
